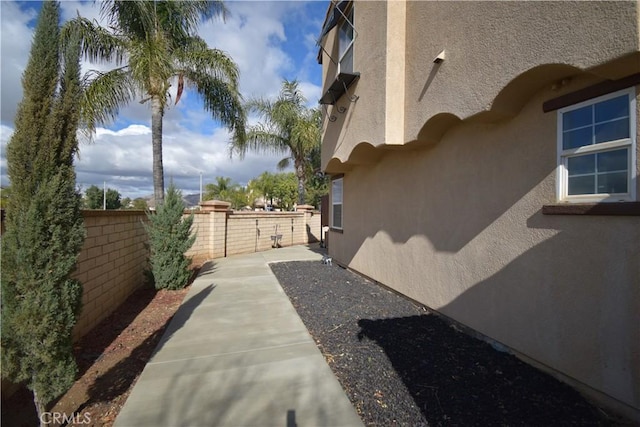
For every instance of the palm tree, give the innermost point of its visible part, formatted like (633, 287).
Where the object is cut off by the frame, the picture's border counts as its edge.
(220, 190)
(154, 43)
(289, 127)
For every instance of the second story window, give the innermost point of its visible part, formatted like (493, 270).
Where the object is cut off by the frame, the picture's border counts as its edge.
(340, 73)
(345, 47)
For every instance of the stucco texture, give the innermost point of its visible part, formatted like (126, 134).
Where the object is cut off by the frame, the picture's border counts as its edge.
(358, 121)
(498, 55)
(458, 227)
(451, 215)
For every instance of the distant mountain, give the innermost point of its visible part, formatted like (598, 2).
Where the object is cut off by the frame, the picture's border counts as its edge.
(191, 200)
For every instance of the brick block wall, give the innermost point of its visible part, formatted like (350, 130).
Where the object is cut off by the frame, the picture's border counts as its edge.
(111, 264)
(314, 228)
(218, 235)
(203, 227)
(113, 259)
(222, 232)
(251, 232)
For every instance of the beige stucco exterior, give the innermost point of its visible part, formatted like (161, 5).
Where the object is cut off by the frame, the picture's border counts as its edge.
(447, 167)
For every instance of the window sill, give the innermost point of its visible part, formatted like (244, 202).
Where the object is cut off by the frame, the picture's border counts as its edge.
(612, 209)
(337, 230)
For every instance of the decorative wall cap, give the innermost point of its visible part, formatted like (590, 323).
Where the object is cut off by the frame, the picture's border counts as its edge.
(215, 206)
(304, 208)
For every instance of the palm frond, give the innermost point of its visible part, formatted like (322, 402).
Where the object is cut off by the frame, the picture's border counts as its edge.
(98, 44)
(132, 19)
(182, 18)
(263, 139)
(104, 95)
(261, 106)
(178, 20)
(284, 163)
(288, 126)
(150, 64)
(305, 137)
(196, 56)
(180, 87)
(291, 93)
(220, 99)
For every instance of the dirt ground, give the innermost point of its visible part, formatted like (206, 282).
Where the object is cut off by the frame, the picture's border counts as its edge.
(110, 359)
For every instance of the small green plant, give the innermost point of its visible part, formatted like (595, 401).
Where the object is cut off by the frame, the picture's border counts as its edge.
(169, 239)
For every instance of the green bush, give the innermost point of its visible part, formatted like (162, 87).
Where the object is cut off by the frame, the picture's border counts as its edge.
(169, 239)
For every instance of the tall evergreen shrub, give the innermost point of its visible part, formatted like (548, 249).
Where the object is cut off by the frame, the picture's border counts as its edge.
(44, 228)
(169, 239)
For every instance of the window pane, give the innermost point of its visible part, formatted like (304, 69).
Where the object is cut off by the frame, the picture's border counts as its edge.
(610, 161)
(577, 118)
(337, 216)
(336, 205)
(345, 34)
(336, 191)
(581, 165)
(581, 185)
(611, 183)
(577, 138)
(611, 131)
(346, 64)
(612, 109)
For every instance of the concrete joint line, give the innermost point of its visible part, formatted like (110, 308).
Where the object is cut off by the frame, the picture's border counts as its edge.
(230, 353)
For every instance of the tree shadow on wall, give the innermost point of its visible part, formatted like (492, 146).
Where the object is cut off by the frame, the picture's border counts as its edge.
(456, 379)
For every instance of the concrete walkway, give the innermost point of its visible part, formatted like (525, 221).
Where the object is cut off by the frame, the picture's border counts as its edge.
(237, 354)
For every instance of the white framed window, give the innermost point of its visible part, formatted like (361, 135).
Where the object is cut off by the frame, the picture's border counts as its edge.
(345, 44)
(597, 149)
(336, 203)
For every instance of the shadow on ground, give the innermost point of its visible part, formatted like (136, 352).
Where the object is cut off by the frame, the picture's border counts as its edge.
(458, 380)
(117, 380)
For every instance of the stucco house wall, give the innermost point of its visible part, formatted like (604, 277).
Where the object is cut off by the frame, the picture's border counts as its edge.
(451, 215)
(359, 121)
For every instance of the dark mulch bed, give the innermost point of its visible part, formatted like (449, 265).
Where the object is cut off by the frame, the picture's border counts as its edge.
(401, 365)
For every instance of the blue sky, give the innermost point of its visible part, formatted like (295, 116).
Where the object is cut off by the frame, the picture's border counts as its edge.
(269, 40)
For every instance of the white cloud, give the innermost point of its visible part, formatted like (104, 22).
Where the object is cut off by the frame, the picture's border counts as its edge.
(312, 92)
(128, 131)
(5, 134)
(255, 35)
(124, 160)
(251, 36)
(15, 43)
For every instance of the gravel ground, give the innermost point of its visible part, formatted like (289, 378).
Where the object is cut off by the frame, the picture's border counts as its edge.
(402, 366)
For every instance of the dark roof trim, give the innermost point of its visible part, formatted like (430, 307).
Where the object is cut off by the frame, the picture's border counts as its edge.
(338, 88)
(602, 88)
(337, 12)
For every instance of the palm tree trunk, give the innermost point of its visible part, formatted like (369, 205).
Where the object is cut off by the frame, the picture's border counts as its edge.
(301, 180)
(156, 139)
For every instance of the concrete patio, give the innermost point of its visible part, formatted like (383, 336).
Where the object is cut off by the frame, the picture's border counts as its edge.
(237, 354)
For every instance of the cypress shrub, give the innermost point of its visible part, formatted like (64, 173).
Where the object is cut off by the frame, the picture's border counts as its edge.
(169, 239)
(44, 227)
